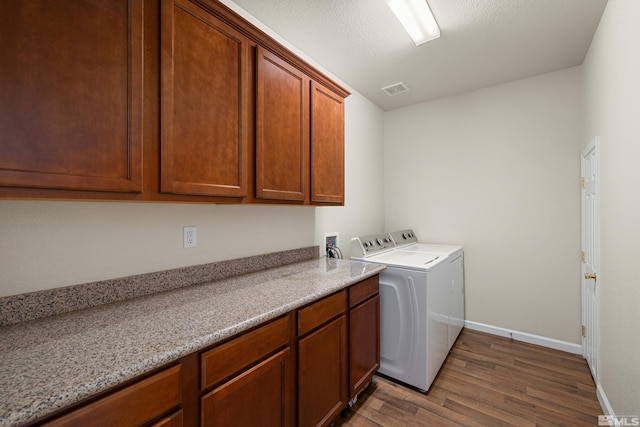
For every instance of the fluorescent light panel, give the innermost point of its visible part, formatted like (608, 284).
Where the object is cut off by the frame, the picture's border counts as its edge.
(416, 17)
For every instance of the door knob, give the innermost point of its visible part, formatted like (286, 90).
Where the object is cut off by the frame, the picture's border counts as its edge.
(590, 276)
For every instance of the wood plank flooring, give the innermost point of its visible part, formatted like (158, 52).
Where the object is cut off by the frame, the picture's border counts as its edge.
(487, 381)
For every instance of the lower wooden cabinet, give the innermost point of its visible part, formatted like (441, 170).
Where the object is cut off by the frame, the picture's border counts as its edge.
(135, 405)
(364, 344)
(252, 385)
(338, 351)
(299, 369)
(322, 374)
(261, 396)
(322, 360)
(234, 356)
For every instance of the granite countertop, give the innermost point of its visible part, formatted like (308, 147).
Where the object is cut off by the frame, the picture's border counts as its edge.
(50, 363)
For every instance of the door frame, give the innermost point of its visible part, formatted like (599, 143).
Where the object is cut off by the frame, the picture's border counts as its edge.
(592, 324)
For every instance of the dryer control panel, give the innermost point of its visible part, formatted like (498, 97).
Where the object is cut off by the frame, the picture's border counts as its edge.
(364, 246)
(403, 237)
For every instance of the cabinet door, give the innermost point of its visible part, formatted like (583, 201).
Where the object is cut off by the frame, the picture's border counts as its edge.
(327, 145)
(364, 343)
(205, 89)
(71, 109)
(282, 129)
(258, 397)
(322, 374)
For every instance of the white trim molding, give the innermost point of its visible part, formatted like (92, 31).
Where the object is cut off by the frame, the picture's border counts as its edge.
(525, 337)
(604, 402)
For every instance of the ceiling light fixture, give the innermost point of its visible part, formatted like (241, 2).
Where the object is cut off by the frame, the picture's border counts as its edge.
(416, 17)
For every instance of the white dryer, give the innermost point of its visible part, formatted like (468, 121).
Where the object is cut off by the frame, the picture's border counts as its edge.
(406, 240)
(414, 309)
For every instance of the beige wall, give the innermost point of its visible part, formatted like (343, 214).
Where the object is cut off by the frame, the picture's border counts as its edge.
(498, 170)
(47, 244)
(51, 244)
(612, 93)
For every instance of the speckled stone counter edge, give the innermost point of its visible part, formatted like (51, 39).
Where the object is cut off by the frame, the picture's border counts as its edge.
(50, 302)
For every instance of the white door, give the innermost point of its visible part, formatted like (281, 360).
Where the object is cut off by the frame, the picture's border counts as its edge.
(590, 255)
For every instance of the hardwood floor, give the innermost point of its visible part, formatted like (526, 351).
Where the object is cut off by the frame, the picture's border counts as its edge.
(487, 381)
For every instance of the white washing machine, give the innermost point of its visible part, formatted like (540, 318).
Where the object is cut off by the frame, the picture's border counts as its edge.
(414, 309)
(406, 240)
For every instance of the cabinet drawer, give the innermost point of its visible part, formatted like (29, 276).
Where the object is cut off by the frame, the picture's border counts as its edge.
(321, 311)
(134, 405)
(229, 358)
(173, 420)
(363, 290)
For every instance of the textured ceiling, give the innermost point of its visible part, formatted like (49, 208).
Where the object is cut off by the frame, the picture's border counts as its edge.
(482, 42)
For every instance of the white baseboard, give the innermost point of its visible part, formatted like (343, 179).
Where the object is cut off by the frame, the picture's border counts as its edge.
(525, 337)
(604, 402)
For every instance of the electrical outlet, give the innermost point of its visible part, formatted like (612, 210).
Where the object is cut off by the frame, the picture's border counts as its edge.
(190, 236)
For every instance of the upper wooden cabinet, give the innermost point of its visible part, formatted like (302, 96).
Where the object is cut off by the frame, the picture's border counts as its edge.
(71, 107)
(282, 129)
(205, 103)
(170, 100)
(327, 145)
(300, 135)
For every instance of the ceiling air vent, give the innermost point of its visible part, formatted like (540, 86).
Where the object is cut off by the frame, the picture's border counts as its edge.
(395, 89)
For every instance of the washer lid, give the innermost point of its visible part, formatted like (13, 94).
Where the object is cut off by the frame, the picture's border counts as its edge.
(433, 248)
(420, 260)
